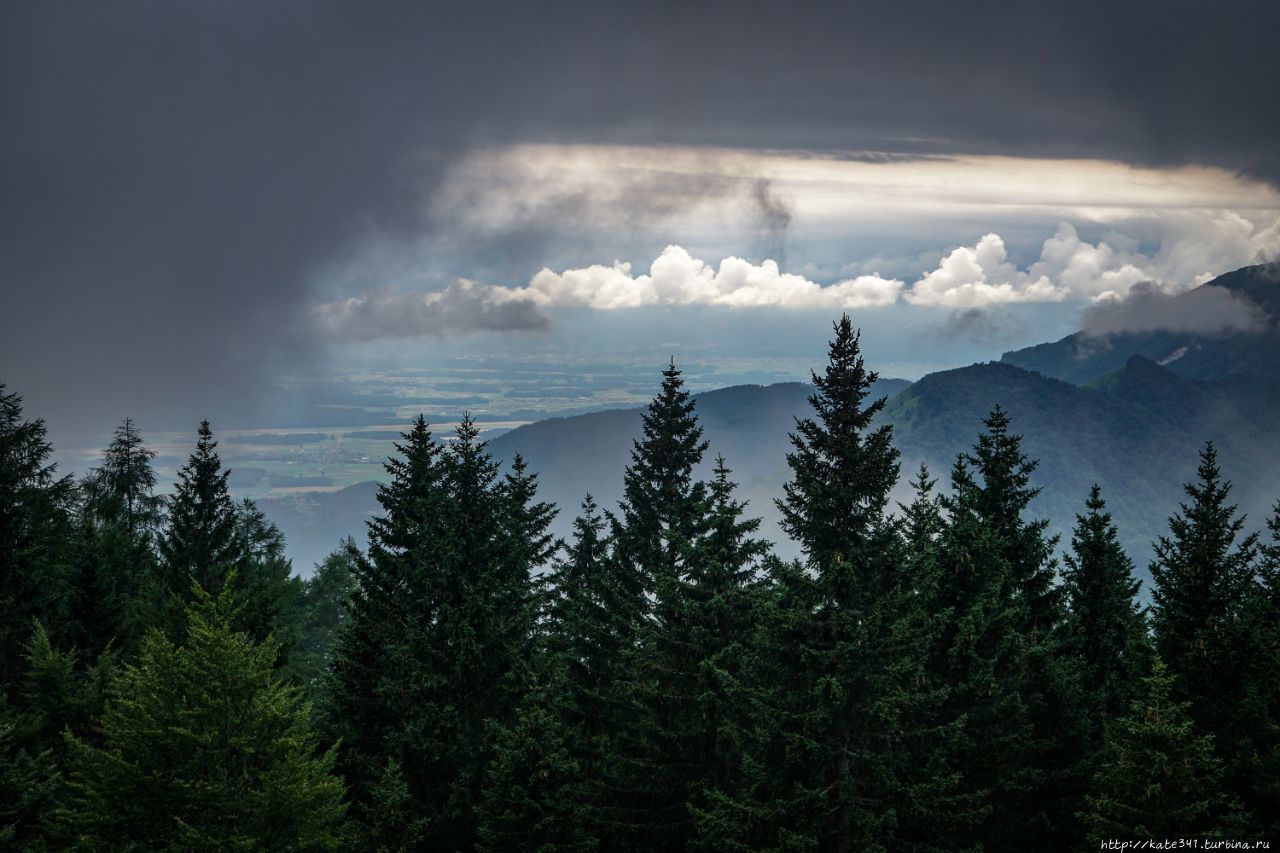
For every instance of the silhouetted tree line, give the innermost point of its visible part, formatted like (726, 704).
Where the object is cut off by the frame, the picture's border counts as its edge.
(925, 677)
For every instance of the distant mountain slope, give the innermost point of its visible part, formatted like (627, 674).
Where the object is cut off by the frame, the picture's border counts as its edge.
(584, 453)
(747, 424)
(1081, 358)
(1136, 431)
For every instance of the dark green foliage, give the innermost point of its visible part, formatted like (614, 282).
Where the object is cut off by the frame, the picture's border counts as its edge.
(843, 637)
(436, 658)
(592, 617)
(269, 595)
(691, 663)
(660, 520)
(117, 583)
(663, 507)
(978, 656)
(1000, 499)
(1002, 651)
(56, 695)
(1106, 628)
(203, 747)
(209, 538)
(1159, 778)
(36, 536)
(199, 540)
(534, 796)
(326, 599)
(29, 787)
(1210, 632)
(1265, 617)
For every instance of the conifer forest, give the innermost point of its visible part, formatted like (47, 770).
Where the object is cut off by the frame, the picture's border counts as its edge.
(934, 674)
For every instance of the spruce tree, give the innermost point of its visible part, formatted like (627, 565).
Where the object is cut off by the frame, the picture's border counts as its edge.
(116, 574)
(1107, 629)
(1204, 596)
(1159, 777)
(121, 491)
(436, 660)
(844, 633)
(36, 536)
(203, 747)
(692, 663)
(198, 543)
(978, 654)
(1046, 677)
(662, 516)
(664, 507)
(1002, 494)
(398, 585)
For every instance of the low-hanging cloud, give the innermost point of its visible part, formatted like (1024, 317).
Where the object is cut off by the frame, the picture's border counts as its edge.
(463, 306)
(675, 278)
(1207, 310)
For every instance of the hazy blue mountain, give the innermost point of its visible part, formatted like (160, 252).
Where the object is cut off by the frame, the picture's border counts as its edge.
(1081, 357)
(587, 453)
(1135, 431)
(1128, 411)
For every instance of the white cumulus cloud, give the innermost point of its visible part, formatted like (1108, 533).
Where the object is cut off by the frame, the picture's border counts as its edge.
(980, 276)
(677, 278)
(1190, 253)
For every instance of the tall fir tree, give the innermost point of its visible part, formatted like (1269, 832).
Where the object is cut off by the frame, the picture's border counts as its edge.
(691, 662)
(664, 507)
(209, 537)
(36, 536)
(662, 516)
(1159, 777)
(116, 577)
(436, 660)
(844, 634)
(1002, 494)
(1106, 626)
(976, 654)
(198, 543)
(203, 747)
(592, 616)
(1204, 595)
(399, 581)
(1047, 793)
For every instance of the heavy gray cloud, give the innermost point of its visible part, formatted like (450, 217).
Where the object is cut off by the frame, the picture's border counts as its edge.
(171, 174)
(1206, 310)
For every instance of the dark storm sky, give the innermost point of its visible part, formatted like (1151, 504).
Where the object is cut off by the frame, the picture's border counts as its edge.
(172, 173)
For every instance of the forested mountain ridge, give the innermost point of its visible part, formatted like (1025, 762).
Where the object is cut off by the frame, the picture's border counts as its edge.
(925, 674)
(1126, 430)
(1083, 357)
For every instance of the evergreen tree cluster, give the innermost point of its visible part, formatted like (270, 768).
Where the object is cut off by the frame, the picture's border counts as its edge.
(926, 676)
